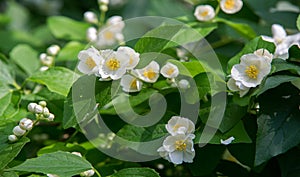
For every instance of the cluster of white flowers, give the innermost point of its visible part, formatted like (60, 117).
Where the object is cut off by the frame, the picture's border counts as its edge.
(207, 12)
(107, 35)
(120, 64)
(47, 59)
(282, 41)
(179, 147)
(250, 72)
(41, 111)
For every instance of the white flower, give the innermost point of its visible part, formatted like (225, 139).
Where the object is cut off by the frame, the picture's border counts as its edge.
(88, 173)
(116, 21)
(180, 125)
(18, 131)
(231, 6)
(183, 84)
(227, 141)
(237, 86)
(12, 138)
(150, 73)
(169, 70)
(26, 124)
(114, 64)
(31, 107)
(91, 34)
(90, 17)
(204, 12)
(131, 84)
(264, 53)
(178, 149)
(134, 57)
(90, 60)
(282, 41)
(53, 50)
(251, 71)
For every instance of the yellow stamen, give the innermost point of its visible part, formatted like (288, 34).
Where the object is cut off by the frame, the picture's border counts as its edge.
(204, 14)
(113, 64)
(180, 145)
(252, 71)
(108, 35)
(175, 128)
(90, 63)
(229, 4)
(133, 84)
(150, 74)
(170, 71)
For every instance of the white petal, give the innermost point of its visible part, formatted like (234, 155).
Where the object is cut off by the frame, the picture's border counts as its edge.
(176, 157)
(204, 12)
(227, 141)
(169, 70)
(231, 6)
(278, 33)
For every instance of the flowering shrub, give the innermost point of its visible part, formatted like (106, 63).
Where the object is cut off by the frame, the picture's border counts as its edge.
(150, 88)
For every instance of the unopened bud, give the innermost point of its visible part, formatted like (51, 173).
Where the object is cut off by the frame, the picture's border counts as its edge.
(38, 109)
(51, 117)
(31, 107)
(88, 173)
(103, 2)
(12, 138)
(43, 103)
(53, 50)
(90, 17)
(18, 131)
(26, 124)
(44, 68)
(103, 8)
(91, 34)
(48, 61)
(183, 84)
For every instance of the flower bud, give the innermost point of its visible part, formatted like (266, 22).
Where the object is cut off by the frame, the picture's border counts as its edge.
(31, 107)
(46, 112)
(43, 103)
(38, 109)
(43, 56)
(48, 61)
(77, 153)
(12, 138)
(53, 50)
(103, 2)
(183, 84)
(44, 68)
(90, 17)
(103, 8)
(26, 124)
(51, 117)
(18, 131)
(88, 173)
(91, 34)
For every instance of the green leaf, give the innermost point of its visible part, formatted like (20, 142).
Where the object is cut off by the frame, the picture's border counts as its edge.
(250, 47)
(6, 74)
(57, 79)
(8, 174)
(278, 123)
(61, 163)
(294, 53)
(66, 28)
(10, 103)
(289, 163)
(70, 51)
(298, 22)
(9, 151)
(25, 57)
(243, 29)
(190, 69)
(61, 147)
(274, 81)
(282, 65)
(136, 172)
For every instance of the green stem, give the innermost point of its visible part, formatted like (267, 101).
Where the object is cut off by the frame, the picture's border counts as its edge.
(72, 136)
(16, 85)
(96, 171)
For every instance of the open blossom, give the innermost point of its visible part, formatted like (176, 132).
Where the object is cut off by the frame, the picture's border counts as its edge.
(134, 57)
(169, 70)
(113, 64)
(178, 149)
(282, 41)
(251, 70)
(237, 86)
(231, 6)
(204, 12)
(180, 125)
(150, 73)
(90, 61)
(131, 84)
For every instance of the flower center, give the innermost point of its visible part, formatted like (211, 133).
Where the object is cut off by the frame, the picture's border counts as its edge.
(150, 74)
(170, 71)
(90, 63)
(252, 71)
(180, 145)
(108, 35)
(113, 64)
(175, 128)
(133, 84)
(204, 13)
(229, 4)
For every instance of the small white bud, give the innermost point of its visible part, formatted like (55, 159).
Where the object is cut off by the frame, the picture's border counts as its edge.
(26, 124)
(183, 84)
(52, 175)
(103, 2)
(43, 56)
(91, 34)
(18, 131)
(88, 173)
(31, 107)
(53, 50)
(103, 8)
(43, 103)
(12, 138)
(90, 17)
(38, 109)
(48, 61)
(77, 153)
(46, 112)
(51, 117)
(44, 68)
